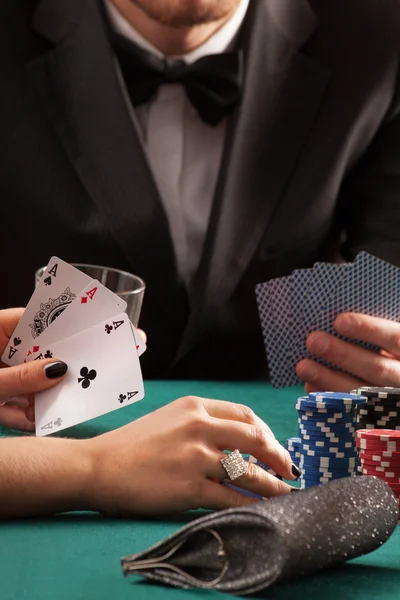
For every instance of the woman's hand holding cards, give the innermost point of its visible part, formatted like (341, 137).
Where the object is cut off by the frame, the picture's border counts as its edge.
(18, 384)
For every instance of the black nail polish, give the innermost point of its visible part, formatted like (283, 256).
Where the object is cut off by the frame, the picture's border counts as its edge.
(55, 370)
(293, 490)
(296, 471)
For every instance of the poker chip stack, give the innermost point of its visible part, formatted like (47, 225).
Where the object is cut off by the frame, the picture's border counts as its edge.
(382, 410)
(379, 453)
(327, 429)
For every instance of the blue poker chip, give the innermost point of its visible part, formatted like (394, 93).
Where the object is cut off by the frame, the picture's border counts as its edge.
(316, 475)
(326, 436)
(326, 418)
(318, 422)
(308, 406)
(314, 443)
(329, 461)
(332, 452)
(310, 468)
(310, 482)
(329, 427)
(318, 443)
(336, 455)
(307, 468)
(337, 398)
(339, 438)
(318, 429)
(319, 401)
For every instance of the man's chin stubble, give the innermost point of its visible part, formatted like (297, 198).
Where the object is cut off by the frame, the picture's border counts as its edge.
(183, 14)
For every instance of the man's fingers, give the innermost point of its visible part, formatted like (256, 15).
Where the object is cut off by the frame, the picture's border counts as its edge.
(321, 378)
(234, 412)
(254, 440)
(361, 363)
(380, 332)
(15, 418)
(32, 377)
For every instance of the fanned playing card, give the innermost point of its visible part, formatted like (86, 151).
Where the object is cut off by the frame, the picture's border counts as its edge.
(275, 311)
(371, 286)
(91, 306)
(103, 375)
(280, 334)
(290, 308)
(325, 277)
(58, 287)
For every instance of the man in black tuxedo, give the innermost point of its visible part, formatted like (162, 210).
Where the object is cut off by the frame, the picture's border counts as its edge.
(204, 179)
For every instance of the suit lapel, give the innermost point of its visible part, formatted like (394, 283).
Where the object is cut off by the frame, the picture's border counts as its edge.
(282, 93)
(78, 82)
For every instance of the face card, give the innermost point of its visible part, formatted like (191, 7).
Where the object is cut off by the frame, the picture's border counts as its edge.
(103, 375)
(91, 306)
(59, 286)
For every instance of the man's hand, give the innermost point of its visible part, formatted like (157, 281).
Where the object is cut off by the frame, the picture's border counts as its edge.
(363, 367)
(164, 462)
(18, 384)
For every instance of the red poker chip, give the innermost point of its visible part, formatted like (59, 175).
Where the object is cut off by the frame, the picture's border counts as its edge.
(372, 460)
(382, 469)
(384, 476)
(382, 464)
(383, 435)
(382, 454)
(390, 445)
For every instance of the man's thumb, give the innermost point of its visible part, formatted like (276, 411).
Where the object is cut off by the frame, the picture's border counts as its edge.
(31, 377)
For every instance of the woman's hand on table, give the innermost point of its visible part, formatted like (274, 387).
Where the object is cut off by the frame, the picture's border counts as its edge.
(363, 367)
(169, 460)
(18, 384)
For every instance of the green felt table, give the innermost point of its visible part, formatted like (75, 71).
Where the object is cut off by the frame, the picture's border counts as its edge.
(76, 556)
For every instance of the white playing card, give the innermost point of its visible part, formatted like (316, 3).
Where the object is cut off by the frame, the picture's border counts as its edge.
(59, 285)
(103, 375)
(140, 344)
(91, 306)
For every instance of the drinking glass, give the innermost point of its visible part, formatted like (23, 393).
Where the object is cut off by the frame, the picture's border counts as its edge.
(127, 286)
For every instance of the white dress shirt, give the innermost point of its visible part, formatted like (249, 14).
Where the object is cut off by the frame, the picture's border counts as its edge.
(184, 152)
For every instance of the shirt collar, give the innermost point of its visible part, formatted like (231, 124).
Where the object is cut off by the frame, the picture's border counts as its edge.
(221, 41)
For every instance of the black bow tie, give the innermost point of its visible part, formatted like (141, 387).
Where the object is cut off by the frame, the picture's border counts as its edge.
(213, 83)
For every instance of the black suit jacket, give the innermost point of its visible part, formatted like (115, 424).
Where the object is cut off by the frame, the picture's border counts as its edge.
(311, 167)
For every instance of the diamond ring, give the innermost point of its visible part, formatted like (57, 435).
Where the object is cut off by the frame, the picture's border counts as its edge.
(234, 465)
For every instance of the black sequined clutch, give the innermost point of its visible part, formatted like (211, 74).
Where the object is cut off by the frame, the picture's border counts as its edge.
(244, 550)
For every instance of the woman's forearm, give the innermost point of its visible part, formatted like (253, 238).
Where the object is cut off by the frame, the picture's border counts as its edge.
(41, 476)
